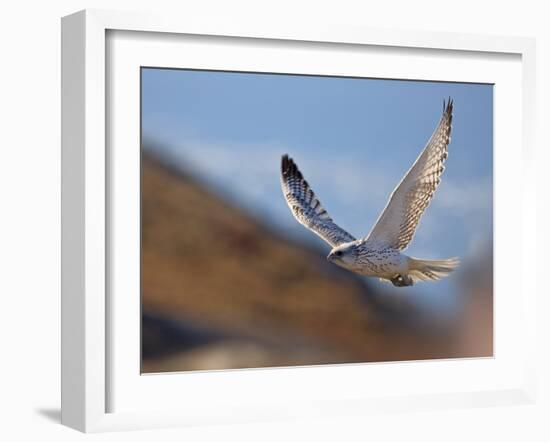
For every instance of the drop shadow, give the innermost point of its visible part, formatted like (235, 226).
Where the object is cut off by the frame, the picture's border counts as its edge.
(51, 414)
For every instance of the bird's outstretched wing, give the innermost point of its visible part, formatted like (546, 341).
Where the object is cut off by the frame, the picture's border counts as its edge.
(305, 206)
(397, 223)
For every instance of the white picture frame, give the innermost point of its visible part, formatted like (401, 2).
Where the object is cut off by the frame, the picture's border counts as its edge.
(87, 203)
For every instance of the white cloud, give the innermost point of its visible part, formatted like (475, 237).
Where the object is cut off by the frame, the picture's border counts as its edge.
(250, 172)
(353, 192)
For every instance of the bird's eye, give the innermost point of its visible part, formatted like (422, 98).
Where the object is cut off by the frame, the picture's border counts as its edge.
(338, 253)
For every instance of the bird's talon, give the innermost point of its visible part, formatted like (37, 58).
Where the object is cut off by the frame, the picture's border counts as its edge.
(401, 281)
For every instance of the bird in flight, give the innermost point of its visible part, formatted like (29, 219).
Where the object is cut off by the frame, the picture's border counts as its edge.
(379, 254)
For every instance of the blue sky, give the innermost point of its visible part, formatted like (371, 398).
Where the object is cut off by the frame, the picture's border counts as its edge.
(352, 138)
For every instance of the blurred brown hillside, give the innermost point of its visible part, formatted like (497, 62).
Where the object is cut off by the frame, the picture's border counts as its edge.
(221, 290)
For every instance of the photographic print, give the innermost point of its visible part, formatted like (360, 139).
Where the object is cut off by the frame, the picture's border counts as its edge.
(296, 220)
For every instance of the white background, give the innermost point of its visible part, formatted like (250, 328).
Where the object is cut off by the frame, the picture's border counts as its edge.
(30, 222)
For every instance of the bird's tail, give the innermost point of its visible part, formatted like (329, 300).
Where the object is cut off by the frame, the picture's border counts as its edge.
(431, 270)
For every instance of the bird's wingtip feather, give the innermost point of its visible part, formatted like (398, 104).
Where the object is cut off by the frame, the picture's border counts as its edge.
(286, 162)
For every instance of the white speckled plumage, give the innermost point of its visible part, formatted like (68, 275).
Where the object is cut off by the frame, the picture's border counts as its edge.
(379, 254)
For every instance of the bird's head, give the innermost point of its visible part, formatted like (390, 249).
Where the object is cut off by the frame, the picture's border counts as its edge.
(344, 255)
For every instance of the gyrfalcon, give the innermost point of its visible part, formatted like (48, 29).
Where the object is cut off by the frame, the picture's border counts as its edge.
(379, 254)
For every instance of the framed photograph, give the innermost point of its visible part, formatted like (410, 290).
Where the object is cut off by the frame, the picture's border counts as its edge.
(264, 222)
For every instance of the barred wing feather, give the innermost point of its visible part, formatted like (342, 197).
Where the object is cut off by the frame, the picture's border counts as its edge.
(305, 206)
(397, 224)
